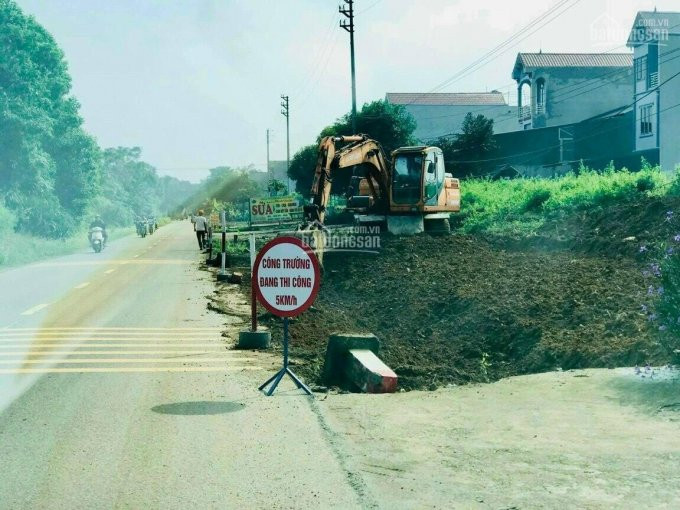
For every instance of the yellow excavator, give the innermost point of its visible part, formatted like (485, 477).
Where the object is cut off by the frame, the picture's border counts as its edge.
(411, 193)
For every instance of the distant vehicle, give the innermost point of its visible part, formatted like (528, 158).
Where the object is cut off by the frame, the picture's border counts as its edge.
(410, 194)
(142, 228)
(97, 239)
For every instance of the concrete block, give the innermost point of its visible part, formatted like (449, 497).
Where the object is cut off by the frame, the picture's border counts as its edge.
(368, 373)
(235, 277)
(337, 353)
(260, 339)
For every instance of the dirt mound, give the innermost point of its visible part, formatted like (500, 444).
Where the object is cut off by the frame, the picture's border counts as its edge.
(458, 309)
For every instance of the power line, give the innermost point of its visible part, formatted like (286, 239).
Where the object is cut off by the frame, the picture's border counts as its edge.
(494, 52)
(550, 147)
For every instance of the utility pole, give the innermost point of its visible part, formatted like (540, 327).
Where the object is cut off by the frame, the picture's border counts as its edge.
(285, 113)
(348, 24)
(270, 181)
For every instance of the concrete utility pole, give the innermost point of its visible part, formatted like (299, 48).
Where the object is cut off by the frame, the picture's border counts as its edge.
(348, 25)
(285, 113)
(269, 172)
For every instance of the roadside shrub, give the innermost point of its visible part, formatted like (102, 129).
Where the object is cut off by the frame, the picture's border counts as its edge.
(536, 199)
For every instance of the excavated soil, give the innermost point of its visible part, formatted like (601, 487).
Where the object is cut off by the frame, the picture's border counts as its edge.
(460, 309)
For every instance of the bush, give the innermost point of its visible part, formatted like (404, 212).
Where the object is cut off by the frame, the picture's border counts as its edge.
(489, 205)
(536, 199)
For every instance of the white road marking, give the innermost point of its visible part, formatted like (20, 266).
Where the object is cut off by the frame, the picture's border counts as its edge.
(111, 329)
(40, 352)
(82, 285)
(85, 344)
(35, 309)
(104, 334)
(69, 361)
(62, 370)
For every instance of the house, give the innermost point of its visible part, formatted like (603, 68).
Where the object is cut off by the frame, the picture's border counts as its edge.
(439, 114)
(565, 88)
(655, 39)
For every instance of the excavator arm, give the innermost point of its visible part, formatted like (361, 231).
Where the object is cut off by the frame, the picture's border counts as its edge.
(360, 151)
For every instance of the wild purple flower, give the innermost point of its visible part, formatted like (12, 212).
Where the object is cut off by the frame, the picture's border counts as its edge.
(669, 215)
(644, 309)
(670, 250)
(662, 328)
(650, 290)
(660, 291)
(646, 274)
(676, 238)
(651, 317)
(643, 248)
(656, 269)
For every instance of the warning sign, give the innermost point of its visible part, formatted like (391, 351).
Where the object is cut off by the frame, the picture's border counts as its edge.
(275, 209)
(286, 276)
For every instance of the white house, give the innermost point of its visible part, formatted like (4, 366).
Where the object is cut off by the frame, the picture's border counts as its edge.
(564, 88)
(655, 39)
(442, 113)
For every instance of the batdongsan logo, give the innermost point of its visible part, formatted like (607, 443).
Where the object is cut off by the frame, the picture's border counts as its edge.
(612, 29)
(648, 30)
(353, 239)
(606, 30)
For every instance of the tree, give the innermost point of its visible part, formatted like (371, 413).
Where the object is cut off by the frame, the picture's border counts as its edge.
(388, 123)
(302, 168)
(464, 154)
(49, 167)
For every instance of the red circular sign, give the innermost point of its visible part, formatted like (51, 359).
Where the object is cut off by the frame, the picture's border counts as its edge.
(286, 276)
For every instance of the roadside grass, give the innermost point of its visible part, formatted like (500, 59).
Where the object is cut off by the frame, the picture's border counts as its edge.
(18, 249)
(521, 207)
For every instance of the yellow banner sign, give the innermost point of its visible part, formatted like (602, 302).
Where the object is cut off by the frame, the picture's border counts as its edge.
(275, 209)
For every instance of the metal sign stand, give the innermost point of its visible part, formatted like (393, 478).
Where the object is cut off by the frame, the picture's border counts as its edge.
(276, 378)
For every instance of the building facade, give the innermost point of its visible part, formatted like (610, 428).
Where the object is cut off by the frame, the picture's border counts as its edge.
(565, 88)
(439, 114)
(655, 39)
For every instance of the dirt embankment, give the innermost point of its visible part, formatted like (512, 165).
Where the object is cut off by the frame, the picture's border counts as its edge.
(459, 309)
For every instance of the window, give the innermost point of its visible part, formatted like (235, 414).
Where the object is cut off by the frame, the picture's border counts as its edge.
(540, 96)
(640, 65)
(646, 119)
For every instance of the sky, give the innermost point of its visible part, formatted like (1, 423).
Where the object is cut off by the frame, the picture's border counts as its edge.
(196, 83)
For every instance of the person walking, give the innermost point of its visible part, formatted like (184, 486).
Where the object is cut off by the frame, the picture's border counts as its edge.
(201, 228)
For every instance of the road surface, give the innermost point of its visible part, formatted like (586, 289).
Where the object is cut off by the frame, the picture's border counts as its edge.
(117, 390)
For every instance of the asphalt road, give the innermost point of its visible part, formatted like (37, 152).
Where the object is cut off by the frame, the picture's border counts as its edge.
(118, 391)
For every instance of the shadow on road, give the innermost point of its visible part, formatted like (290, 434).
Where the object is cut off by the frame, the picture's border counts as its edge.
(198, 408)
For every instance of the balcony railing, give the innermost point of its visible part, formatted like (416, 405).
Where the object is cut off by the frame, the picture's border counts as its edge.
(653, 80)
(540, 108)
(524, 113)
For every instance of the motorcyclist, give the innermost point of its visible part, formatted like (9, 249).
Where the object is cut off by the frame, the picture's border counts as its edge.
(97, 222)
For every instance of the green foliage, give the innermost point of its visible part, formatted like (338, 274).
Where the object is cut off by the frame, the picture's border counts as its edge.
(465, 152)
(381, 120)
(49, 169)
(521, 206)
(389, 124)
(227, 189)
(302, 168)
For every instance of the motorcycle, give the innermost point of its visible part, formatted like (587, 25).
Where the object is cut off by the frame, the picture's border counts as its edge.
(150, 224)
(141, 228)
(97, 239)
